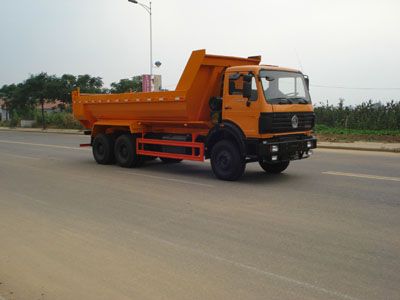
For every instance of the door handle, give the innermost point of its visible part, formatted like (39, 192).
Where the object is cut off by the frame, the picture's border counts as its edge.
(228, 107)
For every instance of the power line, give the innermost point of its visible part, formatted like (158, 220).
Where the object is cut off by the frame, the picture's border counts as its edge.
(354, 88)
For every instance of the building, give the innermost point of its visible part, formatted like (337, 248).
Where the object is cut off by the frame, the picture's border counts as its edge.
(151, 84)
(51, 107)
(157, 83)
(4, 114)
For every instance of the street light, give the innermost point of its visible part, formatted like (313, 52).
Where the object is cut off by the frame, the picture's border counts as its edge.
(148, 9)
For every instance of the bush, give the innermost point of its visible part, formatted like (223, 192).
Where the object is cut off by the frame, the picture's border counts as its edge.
(5, 123)
(365, 116)
(62, 120)
(15, 119)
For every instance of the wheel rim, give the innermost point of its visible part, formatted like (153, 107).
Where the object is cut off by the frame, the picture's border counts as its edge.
(100, 149)
(124, 151)
(224, 160)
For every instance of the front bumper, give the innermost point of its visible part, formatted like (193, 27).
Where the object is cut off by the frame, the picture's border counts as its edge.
(272, 150)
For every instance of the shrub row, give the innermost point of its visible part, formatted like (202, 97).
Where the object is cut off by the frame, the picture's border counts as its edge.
(365, 116)
(62, 120)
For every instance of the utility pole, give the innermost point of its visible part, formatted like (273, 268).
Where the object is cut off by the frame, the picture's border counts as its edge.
(148, 9)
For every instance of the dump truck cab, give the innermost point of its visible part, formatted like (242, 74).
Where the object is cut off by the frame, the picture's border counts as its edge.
(270, 109)
(252, 94)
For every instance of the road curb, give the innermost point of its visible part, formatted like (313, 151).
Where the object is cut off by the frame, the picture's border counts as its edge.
(395, 150)
(38, 130)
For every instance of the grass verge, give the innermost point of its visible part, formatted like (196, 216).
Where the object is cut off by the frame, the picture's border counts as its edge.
(333, 134)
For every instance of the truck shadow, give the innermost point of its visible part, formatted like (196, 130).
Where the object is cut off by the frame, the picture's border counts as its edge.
(203, 171)
(260, 177)
(183, 169)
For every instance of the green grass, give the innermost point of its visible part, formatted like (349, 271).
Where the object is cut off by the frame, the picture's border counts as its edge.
(323, 129)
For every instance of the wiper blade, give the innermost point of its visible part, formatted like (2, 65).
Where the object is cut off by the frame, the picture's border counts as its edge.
(300, 100)
(287, 101)
(282, 100)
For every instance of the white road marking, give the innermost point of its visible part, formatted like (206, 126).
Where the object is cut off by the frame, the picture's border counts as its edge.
(362, 176)
(42, 145)
(250, 268)
(21, 156)
(167, 179)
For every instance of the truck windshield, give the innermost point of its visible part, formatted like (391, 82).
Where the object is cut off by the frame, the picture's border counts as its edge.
(281, 87)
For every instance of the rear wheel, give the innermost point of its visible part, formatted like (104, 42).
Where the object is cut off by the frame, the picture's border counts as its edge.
(274, 168)
(226, 161)
(167, 160)
(125, 151)
(103, 149)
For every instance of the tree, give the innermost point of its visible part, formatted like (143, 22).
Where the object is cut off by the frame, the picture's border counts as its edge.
(88, 84)
(7, 94)
(67, 83)
(39, 89)
(127, 85)
(17, 98)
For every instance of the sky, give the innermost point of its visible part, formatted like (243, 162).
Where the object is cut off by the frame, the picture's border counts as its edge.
(341, 43)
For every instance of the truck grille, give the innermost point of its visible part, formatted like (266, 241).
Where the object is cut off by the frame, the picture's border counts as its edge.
(282, 122)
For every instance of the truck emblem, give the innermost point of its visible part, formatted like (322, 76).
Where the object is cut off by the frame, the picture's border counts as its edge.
(295, 121)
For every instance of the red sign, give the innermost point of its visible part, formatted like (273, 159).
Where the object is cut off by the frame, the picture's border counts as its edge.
(146, 83)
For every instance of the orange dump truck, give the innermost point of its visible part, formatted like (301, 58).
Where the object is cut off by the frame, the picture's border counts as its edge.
(230, 110)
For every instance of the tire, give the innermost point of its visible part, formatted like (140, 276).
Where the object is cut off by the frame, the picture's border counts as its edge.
(103, 149)
(166, 160)
(125, 151)
(274, 168)
(226, 161)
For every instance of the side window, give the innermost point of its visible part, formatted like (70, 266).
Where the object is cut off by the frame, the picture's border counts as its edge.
(235, 84)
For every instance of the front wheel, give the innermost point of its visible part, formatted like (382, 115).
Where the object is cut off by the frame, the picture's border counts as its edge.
(274, 168)
(226, 161)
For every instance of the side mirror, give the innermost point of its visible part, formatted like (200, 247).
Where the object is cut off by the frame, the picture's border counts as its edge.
(247, 86)
(307, 80)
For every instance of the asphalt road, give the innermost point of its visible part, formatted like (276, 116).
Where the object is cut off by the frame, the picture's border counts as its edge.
(328, 228)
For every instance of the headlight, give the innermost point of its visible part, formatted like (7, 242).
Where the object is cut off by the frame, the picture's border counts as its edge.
(274, 148)
(274, 158)
(309, 144)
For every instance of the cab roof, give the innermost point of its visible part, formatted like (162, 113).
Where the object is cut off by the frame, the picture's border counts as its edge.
(257, 68)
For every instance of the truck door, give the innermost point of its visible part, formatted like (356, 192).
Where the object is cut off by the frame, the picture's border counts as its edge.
(241, 111)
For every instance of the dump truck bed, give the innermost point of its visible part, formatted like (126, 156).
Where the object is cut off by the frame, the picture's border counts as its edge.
(200, 80)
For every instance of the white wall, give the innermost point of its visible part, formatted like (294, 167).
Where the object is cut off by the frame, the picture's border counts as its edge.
(3, 114)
